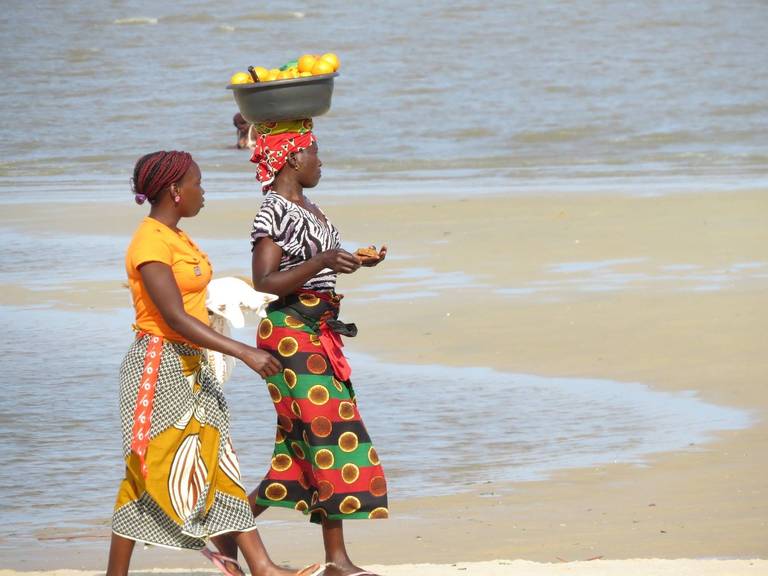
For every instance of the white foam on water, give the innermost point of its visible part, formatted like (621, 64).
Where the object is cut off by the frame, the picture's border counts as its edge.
(136, 20)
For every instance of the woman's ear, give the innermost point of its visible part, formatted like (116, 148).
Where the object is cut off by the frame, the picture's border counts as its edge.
(293, 161)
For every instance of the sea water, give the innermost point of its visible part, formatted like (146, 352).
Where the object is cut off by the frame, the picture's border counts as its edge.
(469, 96)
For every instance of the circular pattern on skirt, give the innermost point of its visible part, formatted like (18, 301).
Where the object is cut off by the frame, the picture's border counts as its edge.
(336, 384)
(274, 393)
(288, 346)
(349, 505)
(324, 490)
(284, 422)
(292, 322)
(281, 462)
(318, 395)
(298, 450)
(296, 409)
(316, 364)
(301, 506)
(309, 300)
(377, 486)
(324, 459)
(321, 426)
(314, 339)
(373, 456)
(276, 491)
(348, 442)
(377, 513)
(346, 410)
(350, 473)
(265, 328)
(290, 378)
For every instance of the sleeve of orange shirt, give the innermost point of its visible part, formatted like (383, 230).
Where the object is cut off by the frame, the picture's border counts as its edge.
(151, 246)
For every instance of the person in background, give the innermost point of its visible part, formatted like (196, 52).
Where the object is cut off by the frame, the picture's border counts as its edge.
(246, 132)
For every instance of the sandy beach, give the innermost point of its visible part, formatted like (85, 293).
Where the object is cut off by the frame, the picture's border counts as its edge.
(687, 314)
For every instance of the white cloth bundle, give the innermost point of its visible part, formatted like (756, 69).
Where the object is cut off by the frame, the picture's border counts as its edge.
(226, 299)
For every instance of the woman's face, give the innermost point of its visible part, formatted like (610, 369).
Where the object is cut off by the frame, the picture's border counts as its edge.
(309, 166)
(191, 192)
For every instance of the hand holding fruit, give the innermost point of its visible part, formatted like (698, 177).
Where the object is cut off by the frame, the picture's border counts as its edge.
(370, 257)
(338, 260)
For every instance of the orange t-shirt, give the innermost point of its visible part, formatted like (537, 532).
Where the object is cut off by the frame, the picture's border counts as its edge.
(153, 241)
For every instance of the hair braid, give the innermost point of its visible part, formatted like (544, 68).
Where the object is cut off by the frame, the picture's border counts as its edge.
(156, 171)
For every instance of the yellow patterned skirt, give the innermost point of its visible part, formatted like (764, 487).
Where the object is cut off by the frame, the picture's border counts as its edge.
(182, 483)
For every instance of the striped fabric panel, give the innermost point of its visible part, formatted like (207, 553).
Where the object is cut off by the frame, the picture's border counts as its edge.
(301, 235)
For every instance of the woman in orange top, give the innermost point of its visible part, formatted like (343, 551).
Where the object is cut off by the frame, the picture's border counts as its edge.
(182, 479)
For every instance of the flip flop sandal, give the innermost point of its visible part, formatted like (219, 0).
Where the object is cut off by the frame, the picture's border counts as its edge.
(322, 568)
(318, 569)
(220, 561)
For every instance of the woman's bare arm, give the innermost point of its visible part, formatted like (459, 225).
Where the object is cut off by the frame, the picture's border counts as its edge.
(266, 261)
(162, 289)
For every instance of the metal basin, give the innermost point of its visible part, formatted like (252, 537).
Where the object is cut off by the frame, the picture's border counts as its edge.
(284, 99)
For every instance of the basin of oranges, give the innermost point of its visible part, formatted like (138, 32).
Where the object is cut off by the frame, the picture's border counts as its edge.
(305, 66)
(301, 88)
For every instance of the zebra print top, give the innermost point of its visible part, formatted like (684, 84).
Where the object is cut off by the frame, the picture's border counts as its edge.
(301, 235)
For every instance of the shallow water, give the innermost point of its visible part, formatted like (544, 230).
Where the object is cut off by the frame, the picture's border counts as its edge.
(524, 95)
(438, 430)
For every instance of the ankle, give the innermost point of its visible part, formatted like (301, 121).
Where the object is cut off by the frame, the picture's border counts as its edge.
(339, 561)
(263, 566)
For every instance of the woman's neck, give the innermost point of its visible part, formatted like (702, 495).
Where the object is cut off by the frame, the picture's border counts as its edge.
(294, 194)
(289, 188)
(170, 219)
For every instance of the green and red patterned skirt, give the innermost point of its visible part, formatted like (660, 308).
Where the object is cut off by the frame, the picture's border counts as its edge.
(324, 463)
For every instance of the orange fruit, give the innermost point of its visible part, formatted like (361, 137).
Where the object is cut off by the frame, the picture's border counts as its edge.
(332, 59)
(261, 72)
(306, 62)
(241, 78)
(322, 67)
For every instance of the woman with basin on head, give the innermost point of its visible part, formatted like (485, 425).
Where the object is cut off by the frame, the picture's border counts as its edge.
(324, 464)
(182, 479)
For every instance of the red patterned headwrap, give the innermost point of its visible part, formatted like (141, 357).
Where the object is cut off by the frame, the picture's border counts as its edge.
(275, 141)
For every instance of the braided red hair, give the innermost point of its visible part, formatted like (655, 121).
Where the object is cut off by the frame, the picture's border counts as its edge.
(156, 171)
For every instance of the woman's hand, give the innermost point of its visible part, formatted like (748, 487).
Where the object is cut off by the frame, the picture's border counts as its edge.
(259, 361)
(370, 262)
(340, 261)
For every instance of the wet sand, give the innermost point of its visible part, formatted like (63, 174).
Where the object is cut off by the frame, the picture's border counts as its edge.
(647, 315)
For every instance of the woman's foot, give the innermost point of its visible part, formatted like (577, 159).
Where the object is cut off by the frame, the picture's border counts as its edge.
(345, 569)
(278, 571)
(230, 567)
(225, 564)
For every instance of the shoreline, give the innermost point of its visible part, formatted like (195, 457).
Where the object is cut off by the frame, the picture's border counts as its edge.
(690, 504)
(595, 567)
